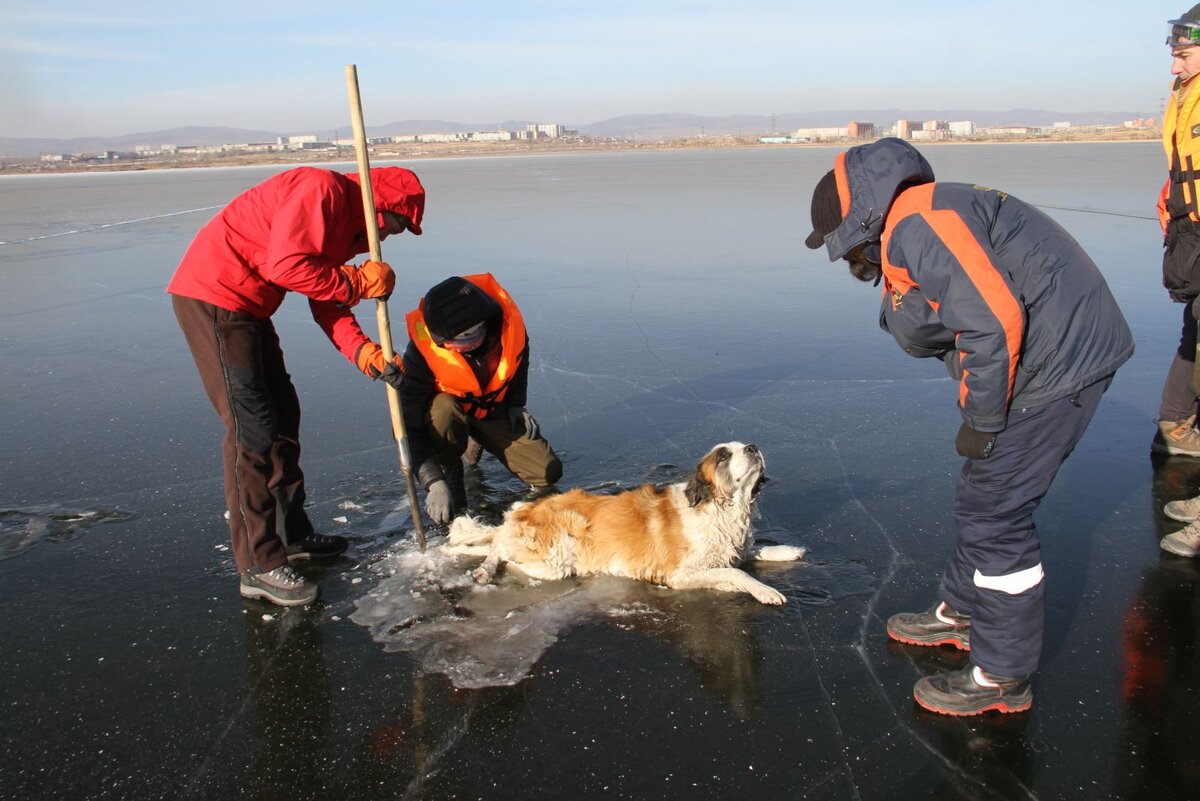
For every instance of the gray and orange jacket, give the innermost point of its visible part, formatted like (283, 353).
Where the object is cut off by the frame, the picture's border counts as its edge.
(430, 369)
(976, 274)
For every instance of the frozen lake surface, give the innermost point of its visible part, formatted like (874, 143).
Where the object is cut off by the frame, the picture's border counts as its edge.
(671, 305)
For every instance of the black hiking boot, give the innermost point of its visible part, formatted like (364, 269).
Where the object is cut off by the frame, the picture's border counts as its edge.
(973, 691)
(939, 625)
(282, 586)
(316, 546)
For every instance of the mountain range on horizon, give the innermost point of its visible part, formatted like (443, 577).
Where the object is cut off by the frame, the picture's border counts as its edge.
(632, 126)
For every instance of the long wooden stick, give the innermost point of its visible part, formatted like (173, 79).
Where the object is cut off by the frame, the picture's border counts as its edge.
(381, 309)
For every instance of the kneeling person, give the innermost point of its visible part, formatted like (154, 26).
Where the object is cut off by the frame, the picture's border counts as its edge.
(465, 375)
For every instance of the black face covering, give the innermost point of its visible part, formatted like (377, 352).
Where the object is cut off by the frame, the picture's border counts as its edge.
(866, 262)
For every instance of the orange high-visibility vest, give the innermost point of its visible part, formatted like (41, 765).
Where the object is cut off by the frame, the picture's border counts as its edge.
(450, 370)
(1181, 141)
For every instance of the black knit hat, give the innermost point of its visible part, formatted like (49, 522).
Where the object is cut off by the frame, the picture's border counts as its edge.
(455, 305)
(826, 211)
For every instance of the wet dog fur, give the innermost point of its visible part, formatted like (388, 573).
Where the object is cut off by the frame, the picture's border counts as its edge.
(690, 535)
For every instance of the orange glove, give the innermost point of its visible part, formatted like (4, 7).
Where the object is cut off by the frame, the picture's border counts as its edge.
(369, 359)
(374, 279)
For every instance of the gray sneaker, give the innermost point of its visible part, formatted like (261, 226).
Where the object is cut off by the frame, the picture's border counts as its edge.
(1177, 437)
(1184, 511)
(282, 586)
(1185, 542)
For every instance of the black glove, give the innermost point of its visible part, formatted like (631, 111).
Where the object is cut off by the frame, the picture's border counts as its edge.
(974, 444)
(393, 375)
(439, 505)
(522, 421)
(951, 358)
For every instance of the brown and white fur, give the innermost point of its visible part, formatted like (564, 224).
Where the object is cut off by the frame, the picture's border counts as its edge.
(689, 535)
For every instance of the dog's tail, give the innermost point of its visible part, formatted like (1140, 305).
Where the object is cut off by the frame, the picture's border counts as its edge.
(466, 530)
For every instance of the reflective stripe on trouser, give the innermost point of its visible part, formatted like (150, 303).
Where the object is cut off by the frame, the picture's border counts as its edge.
(242, 369)
(531, 460)
(995, 570)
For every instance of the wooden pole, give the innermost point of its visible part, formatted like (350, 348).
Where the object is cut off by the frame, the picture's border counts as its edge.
(381, 309)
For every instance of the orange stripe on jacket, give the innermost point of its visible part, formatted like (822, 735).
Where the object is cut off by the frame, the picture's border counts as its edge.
(963, 245)
(843, 183)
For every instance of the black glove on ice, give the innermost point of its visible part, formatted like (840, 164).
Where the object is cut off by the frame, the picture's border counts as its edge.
(974, 444)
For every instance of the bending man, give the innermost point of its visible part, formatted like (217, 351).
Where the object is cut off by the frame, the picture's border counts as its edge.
(295, 232)
(1027, 327)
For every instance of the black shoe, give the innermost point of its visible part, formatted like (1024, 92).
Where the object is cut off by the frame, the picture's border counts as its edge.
(473, 453)
(316, 546)
(939, 625)
(282, 586)
(972, 691)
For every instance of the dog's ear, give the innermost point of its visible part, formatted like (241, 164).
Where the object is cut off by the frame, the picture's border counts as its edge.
(698, 489)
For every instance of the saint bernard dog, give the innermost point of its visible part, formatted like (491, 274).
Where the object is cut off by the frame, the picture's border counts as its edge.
(689, 535)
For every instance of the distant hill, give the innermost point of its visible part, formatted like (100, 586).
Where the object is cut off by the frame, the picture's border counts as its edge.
(640, 126)
(192, 135)
(657, 126)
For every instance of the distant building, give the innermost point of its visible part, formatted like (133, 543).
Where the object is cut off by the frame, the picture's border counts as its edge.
(493, 136)
(860, 130)
(821, 134)
(1009, 130)
(962, 128)
(550, 130)
(904, 128)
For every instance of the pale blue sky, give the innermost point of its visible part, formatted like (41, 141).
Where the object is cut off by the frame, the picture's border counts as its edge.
(72, 68)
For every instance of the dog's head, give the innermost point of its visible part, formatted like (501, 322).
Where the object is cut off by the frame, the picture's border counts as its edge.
(730, 471)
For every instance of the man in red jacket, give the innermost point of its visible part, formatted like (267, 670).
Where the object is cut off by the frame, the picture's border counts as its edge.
(295, 232)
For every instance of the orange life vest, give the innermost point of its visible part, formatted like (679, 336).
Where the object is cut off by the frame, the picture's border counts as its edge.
(451, 372)
(1181, 140)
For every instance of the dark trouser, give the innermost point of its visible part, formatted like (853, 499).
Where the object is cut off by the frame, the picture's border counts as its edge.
(995, 569)
(531, 460)
(1178, 396)
(242, 369)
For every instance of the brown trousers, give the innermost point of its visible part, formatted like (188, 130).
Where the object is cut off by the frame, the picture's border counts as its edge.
(241, 367)
(531, 460)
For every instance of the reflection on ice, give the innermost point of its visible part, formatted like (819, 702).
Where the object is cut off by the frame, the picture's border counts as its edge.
(493, 635)
(427, 605)
(21, 529)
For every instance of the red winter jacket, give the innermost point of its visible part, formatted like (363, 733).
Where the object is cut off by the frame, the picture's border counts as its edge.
(291, 233)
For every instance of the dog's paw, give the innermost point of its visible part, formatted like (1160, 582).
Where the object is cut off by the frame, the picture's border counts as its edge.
(481, 575)
(780, 553)
(768, 595)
